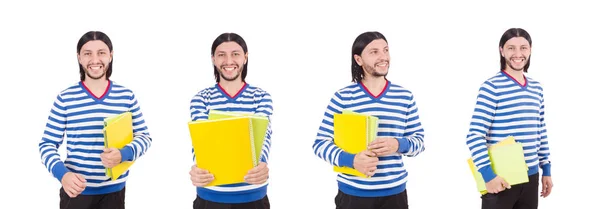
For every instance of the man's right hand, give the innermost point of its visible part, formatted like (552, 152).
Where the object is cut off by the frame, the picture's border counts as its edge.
(200, 177)
(366, 162)
(73, 184)
(496, 185)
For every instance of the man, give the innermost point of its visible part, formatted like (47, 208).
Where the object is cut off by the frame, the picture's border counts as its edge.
(78, 113)
(232, 93)
(511, 104)
(399, 133)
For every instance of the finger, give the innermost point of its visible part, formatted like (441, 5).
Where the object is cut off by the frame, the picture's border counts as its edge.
(73, 192)
(505, 185)
(201, 171)
(376, 145)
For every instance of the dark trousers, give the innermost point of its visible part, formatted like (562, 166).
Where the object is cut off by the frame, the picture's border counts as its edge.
(521, 196)
(200, 203)
(115, 200)
(397, 201)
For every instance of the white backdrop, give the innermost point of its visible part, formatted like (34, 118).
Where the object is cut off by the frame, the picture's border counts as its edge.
(300, 53)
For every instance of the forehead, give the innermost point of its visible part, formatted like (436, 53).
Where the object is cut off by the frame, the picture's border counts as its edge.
(376, 44)
(228, 47)
(94, 45)
(517, 41)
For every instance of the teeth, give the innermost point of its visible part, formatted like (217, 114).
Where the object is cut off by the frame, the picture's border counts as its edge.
(382, 64)
(95, 67)
(229, 68)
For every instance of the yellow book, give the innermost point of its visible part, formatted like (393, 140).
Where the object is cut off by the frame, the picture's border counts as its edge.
(352, 132)
(508, 161)
(224, 147)
(118, 132)
(260, 124)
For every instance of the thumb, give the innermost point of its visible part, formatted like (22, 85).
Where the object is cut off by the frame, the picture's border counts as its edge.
(80, 178)
(505, 184)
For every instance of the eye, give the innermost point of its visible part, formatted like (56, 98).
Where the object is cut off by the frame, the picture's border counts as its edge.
(220, 55)
(87, 53)
(102, 53)
(511, 48)
(236, 54)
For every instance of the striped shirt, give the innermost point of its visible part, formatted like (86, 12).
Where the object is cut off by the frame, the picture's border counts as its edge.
(251, 100)
(506, 108)
(398, 118)
(78, 116)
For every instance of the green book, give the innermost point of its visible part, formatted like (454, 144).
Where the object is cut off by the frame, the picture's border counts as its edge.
(372, 125)
(259, 127)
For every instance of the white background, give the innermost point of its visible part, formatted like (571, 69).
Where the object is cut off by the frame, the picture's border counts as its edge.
(300, 53)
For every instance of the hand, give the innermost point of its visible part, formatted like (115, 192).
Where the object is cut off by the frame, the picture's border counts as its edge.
(366, 162)
(258, 174)
(200, 177)
(73, 184)
(546, 186)
(496, 185)
(384, 146)
(111, 157)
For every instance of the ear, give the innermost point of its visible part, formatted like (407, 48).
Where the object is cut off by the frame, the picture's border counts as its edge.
(111, 56)
(212, 59)
(501, 51)
(78, 58)
(246, 58)
(358, 60)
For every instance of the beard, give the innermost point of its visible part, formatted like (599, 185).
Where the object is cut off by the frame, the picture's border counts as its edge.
(372, 70)
(234, 77)
(87, 72)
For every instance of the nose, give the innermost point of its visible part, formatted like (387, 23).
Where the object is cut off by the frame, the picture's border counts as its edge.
(229, 60)
(95, 58)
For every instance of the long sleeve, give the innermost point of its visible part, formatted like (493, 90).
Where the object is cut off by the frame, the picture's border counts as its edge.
(485, 110)
(324, 146)
(412, 144)
(265, 108)
(198, 111)
(52, 138)
(544, 152)
(142, 140)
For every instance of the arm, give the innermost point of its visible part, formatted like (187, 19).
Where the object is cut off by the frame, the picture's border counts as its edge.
(412, 144)
(544, 153)
(141, 138)
(53, 138)
(198, 111)
(265, 108)
(485, 110)
(324, 146)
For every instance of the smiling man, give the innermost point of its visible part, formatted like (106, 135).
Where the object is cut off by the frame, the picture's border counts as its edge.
(78, 115)
(231, 93)
(399, 133)
(511, 104)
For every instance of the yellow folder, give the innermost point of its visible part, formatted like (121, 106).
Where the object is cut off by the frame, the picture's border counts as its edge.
(224, 147)
(508, 161)
(118, 132)
(352, 132)
(260, 125)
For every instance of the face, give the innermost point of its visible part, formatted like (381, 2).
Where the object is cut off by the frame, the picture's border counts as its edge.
(95, 56)
(516, 52)
(375, 58)
(229, 58)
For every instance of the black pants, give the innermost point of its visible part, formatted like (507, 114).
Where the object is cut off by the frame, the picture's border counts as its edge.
(200, 203)
(115, 200)
(345, 201)
(522, 196)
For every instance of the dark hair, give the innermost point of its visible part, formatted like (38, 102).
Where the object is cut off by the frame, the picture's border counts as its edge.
(227, 37)
(511, 33)
(92, 36)
(358, 46)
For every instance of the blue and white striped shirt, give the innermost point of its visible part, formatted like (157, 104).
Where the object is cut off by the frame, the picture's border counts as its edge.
(398, 118)
(78, 116)
(506, 108)
(251, 100)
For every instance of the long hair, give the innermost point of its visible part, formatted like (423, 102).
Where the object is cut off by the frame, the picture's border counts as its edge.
(358, 46)
(92, 36)
(227, 37)
(511, 33)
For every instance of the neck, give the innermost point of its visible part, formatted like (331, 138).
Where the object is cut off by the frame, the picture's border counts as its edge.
(516, 74)
(96, 84)
(231, 87)
(375, 85)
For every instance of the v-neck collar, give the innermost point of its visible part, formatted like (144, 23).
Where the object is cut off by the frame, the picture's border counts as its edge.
(230, 97)
(383, 92)
(515, 80)
(90, 94)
